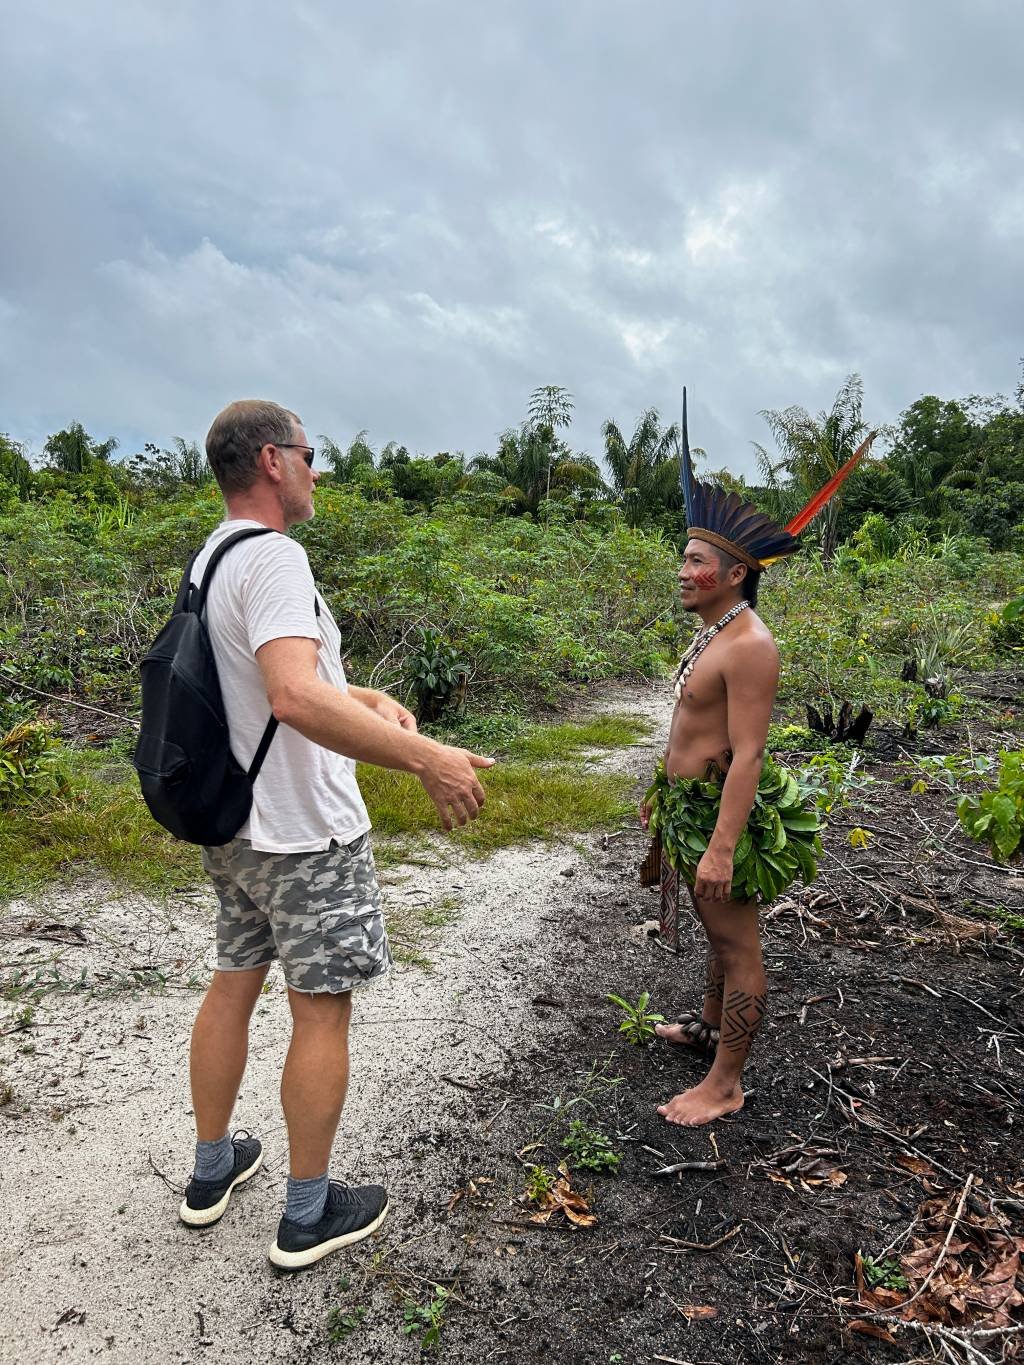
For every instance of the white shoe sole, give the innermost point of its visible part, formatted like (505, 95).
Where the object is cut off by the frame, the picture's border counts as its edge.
(295, 1260)
(202, 1218)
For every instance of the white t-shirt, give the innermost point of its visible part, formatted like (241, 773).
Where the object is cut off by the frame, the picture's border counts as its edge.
(305, 795)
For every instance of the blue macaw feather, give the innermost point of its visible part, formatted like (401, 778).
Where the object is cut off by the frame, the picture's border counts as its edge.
(686, 468)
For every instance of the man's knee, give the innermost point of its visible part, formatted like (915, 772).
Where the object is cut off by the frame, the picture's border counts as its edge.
(320, 1009)
(237, 990)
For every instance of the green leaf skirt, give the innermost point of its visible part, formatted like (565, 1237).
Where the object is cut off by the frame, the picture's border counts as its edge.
(781, 842)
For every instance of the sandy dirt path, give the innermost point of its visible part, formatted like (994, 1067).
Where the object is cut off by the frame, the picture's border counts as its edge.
(96, 1135)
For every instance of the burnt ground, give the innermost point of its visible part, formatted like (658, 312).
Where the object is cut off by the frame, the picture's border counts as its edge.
(888, 1073)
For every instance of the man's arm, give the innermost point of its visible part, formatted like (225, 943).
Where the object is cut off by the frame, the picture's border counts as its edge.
(302, 700)
(384, 706)
(751, 676)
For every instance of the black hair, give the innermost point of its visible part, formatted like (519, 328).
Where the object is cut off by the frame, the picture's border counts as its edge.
(751, 579)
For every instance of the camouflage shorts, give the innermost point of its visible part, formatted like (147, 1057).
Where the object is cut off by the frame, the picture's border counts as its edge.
(319, 912)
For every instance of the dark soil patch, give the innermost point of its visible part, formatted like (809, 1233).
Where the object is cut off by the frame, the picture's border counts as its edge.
(893, 1051)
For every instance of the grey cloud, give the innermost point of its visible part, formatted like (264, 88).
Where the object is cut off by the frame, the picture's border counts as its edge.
(406, 218)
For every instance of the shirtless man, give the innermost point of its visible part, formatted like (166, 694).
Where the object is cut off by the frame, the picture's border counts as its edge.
(722, 717)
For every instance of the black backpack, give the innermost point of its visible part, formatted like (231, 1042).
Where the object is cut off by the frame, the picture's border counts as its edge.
(192, 782)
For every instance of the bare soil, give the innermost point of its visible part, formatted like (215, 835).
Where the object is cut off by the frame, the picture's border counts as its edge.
(888, 1073)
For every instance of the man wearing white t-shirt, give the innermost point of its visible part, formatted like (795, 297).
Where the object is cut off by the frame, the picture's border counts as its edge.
(297, 882)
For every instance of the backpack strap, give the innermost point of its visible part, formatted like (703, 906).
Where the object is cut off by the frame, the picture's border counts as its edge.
(200, 606)
(184, 597)
(219, 554)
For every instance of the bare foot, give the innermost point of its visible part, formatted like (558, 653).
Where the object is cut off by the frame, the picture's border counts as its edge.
(703, 1104)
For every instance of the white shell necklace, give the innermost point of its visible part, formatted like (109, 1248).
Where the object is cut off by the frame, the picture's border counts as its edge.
(699, 644)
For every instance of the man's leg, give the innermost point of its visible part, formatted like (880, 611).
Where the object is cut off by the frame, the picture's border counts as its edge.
(315, 1078)
(734, 935)
(220, 1047)
(711, 1011)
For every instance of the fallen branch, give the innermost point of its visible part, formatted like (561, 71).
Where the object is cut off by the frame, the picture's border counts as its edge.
(690, 1166)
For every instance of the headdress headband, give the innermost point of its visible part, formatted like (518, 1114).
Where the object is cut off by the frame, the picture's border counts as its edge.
(725, 520)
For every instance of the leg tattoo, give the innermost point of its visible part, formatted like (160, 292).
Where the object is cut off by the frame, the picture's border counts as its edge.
(741, 1020)
(714, 985)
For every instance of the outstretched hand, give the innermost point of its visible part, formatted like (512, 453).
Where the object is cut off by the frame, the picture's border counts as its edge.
(452, 784)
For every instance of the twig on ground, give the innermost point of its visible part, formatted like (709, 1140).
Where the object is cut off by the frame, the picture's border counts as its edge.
(701, 1246)
(690, 1166)
(175, 1189)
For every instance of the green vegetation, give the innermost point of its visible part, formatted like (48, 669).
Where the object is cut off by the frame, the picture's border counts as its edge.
(571, 739)
(426, 1320)
(997, 817)
(342, 1323)
(884, 1274)
(589, 1148)
(412, 929)
(84, 811)
(98, 822)
(539, 1182)
(485, 591)
(638, 1025)
(524, 801)
(782, 840)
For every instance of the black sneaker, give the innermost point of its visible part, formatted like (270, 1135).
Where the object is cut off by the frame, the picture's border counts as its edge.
(206, 1200)
(350, 1214)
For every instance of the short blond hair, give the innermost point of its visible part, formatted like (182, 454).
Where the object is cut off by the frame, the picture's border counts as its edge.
(237, 436)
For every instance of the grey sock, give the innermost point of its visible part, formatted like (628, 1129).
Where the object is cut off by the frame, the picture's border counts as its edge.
(214, 1160)
(305, 1200)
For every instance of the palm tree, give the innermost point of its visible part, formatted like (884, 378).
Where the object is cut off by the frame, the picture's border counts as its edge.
(534, 465)
(74, 451)
(344, 463)
(811, 450)
(645, 473)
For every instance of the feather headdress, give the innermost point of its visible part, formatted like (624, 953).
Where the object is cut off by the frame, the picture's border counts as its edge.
(725, 520)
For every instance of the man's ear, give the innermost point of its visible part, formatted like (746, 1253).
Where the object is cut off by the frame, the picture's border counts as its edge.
(737, 574)
(271, 461)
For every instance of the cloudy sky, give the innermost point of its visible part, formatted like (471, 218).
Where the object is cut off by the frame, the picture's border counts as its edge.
(406, 216)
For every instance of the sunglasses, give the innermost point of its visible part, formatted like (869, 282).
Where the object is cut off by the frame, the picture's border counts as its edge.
(310, 450)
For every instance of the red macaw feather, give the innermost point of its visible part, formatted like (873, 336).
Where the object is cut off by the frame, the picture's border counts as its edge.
(821, 498)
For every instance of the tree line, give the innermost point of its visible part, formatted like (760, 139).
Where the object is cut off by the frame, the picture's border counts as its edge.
(946, 466)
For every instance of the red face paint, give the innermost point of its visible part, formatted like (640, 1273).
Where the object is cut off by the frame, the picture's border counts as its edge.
(704, 578)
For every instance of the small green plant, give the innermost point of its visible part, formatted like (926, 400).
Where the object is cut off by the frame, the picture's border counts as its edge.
(638, 1025)
(27, 771)
(997, 817)
(597, 1084)
(589, 1148)
(1007, 626)
(832, 777)
(926, 712)
(951, 771)
(883, 1274)
(427, 1320)
(436, 674)
(343, 1322)
(539, 1182)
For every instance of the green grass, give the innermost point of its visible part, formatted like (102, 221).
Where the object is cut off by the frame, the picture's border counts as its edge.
(100, 823)
(570, 740)
(524, 801)
(412, 929)
(997, 914)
